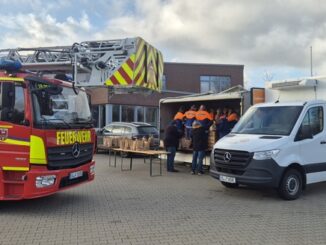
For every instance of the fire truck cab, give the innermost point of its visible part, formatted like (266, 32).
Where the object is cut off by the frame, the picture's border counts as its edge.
(46, 136)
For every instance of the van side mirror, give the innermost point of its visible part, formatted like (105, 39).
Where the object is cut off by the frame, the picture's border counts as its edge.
(304, 132)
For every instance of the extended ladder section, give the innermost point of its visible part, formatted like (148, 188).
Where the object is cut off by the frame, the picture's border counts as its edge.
(129, 65)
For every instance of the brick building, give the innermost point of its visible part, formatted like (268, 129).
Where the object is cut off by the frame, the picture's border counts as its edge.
(179, 79)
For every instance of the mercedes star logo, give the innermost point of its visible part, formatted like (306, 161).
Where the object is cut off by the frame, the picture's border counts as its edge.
(75, 150)
(227, 157)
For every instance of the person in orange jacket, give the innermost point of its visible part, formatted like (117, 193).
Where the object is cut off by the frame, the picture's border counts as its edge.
(232, 118)
(178, 118)
(203, 117)
(190, 117)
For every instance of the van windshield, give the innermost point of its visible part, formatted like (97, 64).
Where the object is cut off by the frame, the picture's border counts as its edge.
(274, 120)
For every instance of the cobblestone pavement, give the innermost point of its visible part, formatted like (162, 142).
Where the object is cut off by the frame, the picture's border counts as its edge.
(176, 208)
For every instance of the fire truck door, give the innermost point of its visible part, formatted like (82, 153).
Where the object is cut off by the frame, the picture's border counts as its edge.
(14, 128)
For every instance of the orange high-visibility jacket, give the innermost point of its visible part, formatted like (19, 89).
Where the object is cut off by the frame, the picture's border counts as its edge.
(179, 116)
(202, 115)
(190, 114)
(233, 117)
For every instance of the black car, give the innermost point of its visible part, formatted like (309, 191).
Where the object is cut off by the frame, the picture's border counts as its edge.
(134, 130)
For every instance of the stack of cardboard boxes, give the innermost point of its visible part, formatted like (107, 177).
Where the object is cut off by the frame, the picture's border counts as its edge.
(111, 142)
(212, 138)
(127, 144)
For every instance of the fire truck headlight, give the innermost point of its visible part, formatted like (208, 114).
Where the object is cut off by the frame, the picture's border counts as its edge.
(44, 181)
(92, 169)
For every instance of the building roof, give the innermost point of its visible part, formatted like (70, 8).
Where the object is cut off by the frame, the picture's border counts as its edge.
(205, 64)
(231, 93)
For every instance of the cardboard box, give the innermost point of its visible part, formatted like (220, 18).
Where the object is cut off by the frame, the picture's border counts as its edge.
(107, 141)
(185, 143)
(115, 142)
(121, 142)
(139, 144)
(133, 145)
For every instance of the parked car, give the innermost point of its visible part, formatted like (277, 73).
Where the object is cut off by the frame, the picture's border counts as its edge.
(134, 130)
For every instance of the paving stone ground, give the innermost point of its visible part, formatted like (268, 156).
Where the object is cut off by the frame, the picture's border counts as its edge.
(176, 208)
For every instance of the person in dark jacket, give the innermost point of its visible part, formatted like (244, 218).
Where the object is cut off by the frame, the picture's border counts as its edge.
(199, 145)
(171, 144)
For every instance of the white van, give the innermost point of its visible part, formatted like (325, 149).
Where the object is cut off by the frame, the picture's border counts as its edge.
(278, 145)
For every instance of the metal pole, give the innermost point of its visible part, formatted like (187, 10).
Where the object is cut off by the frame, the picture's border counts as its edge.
(310, 60)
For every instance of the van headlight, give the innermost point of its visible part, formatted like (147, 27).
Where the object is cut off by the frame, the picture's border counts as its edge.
(263, 155)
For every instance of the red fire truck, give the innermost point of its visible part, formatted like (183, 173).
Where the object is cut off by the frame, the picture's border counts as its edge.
(46, 135)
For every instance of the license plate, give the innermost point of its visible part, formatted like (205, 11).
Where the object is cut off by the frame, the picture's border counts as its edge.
(75, 175)
(227, 179)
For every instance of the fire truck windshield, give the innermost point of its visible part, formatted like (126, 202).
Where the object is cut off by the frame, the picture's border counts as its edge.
(61, 107)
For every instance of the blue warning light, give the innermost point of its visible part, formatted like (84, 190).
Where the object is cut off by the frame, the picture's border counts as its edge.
(10, 65)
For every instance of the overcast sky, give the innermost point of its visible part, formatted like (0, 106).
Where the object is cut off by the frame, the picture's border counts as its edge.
(272, 39)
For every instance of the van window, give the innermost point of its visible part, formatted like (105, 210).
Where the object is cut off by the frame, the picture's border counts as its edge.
(315, 119)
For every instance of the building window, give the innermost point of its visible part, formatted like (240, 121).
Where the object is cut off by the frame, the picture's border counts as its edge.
(102, 115)
(115, 113)
(151, 115)
(140, 114)
(163, 82)
(127, 113)
(214, 84)
(95, 115)
(99, 116)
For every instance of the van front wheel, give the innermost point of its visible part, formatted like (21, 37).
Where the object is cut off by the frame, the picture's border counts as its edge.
(291, 185)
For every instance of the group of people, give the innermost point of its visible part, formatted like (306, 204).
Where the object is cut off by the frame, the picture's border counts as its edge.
(194, 124)
(184, 119)
(225, 120)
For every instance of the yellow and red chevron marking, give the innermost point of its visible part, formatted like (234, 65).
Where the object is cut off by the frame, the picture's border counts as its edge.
(148, 59)
(160, 68)
(151, 68)
(140, 63)
(124, 75)
(141, 69)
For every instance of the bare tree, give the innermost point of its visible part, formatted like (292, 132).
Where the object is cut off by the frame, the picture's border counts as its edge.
(268, 76)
